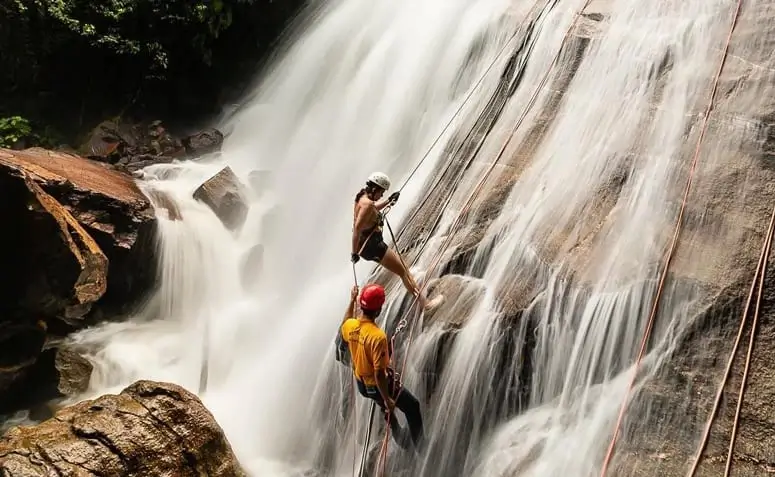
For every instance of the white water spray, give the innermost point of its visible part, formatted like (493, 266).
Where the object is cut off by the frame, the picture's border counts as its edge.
(368, 86)
(365, 86)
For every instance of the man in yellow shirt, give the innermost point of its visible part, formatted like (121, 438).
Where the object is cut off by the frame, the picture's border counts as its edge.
(370, 357)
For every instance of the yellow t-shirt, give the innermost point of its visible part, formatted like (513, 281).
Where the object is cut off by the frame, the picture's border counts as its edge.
(368, 348)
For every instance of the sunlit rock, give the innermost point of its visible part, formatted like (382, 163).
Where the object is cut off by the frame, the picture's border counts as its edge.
(225, 195)
(149, 429)
(78, 234)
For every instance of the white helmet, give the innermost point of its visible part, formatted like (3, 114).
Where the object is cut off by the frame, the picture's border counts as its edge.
(380, 179)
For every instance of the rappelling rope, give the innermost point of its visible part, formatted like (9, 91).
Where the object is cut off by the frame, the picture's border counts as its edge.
(474, 153)
(743, 383)
(353, 413)
(761, 267)
(459, 109)
(671, 250)
(471, 198)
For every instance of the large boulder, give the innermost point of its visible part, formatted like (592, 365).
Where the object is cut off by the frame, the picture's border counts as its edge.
(149, 429)
(106, 204)
(226, 196)
(78, 243)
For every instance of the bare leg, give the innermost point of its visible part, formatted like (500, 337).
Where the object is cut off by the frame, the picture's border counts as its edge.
(392, 262)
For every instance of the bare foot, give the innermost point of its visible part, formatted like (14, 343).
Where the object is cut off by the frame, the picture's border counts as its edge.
(434, 303)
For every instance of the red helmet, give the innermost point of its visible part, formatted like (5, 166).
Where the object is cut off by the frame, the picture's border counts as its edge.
(372, 297)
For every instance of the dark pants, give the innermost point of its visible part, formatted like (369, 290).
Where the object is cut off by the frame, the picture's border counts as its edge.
(406, 403)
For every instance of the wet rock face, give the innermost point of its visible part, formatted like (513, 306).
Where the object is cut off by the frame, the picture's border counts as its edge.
(77, 239)
(149, 429)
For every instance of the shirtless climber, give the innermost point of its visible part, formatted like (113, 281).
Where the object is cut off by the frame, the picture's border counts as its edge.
(370, 357)
(367, 240)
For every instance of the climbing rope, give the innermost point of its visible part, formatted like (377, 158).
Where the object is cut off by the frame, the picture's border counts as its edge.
(469, 202)
(752, 338)
(473, 154)
(760, 270)
(368, 440)
(459, 109)
(673, 243)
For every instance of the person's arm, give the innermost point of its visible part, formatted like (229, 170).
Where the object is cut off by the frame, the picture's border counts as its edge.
(342, 348)
(358, 226)
(392, 199)
(381, 204)
(350, 312)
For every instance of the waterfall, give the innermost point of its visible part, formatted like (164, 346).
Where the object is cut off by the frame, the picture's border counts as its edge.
(549, 276)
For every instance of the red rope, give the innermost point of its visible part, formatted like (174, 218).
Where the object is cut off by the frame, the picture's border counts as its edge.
(469, 202)
(749, 353)
(669, 257)
(760, 269)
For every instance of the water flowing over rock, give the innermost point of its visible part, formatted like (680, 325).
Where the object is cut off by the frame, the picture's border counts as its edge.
(149, 429)
(225, 195)
(82, 235)
(544, 217)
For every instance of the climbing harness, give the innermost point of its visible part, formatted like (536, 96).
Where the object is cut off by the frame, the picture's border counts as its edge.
(761, 268)
(673, 244)
(469, 202)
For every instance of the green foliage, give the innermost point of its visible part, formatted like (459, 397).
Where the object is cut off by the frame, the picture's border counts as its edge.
(69, 64)
(13, 129)
(150, 29)
(16, 128)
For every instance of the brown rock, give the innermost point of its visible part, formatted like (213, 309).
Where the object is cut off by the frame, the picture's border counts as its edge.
(149, 429)
(225, 195)
(203, 142)
(112, 140)
(73, 371)
(91, 265)
(78, 233)
(106, 205)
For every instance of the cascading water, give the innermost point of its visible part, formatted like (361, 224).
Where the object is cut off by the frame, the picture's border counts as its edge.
(368, 86)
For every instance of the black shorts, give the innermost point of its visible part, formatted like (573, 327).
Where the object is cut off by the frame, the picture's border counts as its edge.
(375, 248)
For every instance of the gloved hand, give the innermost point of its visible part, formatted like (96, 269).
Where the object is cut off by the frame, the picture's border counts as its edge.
(393, 198)
(354, 257)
